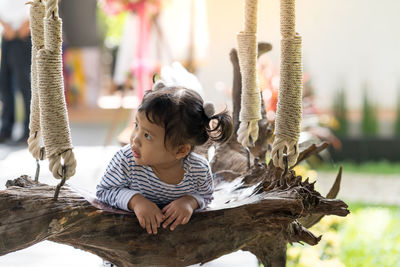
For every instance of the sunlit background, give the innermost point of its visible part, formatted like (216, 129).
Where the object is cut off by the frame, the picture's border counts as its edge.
(351, 98)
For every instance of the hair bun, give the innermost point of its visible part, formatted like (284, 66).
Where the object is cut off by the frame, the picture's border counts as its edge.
(158, 84)
(209, 109)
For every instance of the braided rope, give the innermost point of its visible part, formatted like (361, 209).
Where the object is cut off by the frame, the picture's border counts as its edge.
(289, 110)
(51, 8)
(53, 109)
(250, 112)
(37, 11)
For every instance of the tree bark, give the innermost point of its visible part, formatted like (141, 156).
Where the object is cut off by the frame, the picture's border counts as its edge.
(272, 253)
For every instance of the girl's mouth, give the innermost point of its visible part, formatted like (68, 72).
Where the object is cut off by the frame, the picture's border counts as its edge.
(135, 153)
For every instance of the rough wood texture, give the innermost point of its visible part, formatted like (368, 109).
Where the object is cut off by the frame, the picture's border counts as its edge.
(257, 212)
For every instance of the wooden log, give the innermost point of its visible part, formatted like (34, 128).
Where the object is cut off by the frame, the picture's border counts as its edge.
(257, 214)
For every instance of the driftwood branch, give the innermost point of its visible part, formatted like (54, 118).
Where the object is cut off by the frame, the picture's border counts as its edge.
(254, 212)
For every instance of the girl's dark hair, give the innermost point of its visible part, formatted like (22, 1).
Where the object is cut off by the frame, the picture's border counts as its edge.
(180, 111)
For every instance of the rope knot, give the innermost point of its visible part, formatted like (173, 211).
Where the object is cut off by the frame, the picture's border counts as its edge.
(250, 112)
(279, 147)
(289, 108)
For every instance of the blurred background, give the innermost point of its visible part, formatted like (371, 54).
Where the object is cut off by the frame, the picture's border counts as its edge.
(351, 99)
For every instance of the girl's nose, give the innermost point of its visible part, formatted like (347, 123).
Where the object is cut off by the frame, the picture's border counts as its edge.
(134, 138)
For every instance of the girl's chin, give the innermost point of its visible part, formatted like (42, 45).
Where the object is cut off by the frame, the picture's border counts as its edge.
(140, 161)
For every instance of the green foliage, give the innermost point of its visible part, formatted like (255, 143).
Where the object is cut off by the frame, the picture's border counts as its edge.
(369, 122)
(368, 236)
(372, 167)
(325, 253)
(340, 113)
(397, 122)
(371, 238)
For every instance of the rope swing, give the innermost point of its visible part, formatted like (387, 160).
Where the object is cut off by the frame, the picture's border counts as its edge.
(289, 109)
(51, 118)
(250, 112)
(37, 11)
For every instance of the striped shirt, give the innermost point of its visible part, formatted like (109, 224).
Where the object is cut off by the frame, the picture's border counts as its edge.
(124, 178)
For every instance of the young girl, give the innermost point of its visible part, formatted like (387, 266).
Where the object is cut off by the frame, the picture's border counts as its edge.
(157, 176)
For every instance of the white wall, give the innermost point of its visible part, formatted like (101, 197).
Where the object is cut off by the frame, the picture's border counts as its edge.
(345, 43)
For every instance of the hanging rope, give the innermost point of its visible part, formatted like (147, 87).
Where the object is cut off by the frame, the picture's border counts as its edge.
(37, 11)
(250, 112)
(289, 111)
(53, 111)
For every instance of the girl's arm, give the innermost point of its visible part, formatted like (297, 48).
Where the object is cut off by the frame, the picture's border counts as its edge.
(205, 189)
(180, 210)
(113, 188)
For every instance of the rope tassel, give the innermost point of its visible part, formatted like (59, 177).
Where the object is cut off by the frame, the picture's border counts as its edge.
(37, 11)
(289, 109)
(250, 112)
(53, 109)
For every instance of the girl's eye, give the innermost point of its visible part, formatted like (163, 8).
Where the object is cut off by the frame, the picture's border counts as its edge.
(147, 136)
(136, 125)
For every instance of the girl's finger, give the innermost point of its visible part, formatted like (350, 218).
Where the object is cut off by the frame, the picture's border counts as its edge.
(166, 208)
(169, 220)
(159, 219)
(142, 222)
(168, 213)
(176, 223)
(148, 226)
(185, 220)
(154, 225)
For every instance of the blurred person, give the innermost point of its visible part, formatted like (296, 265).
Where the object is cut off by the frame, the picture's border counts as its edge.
(15, 65)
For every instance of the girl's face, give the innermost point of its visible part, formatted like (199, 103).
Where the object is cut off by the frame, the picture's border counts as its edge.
(147, 144)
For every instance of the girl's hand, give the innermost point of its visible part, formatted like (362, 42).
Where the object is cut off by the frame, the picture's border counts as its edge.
(149, 215)
(179, 211)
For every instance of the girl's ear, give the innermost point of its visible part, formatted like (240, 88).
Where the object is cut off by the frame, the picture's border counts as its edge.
(183, 150)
